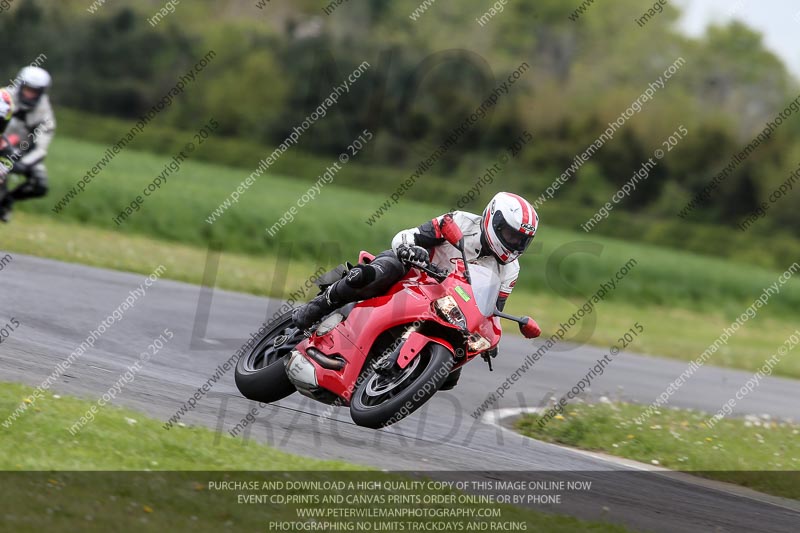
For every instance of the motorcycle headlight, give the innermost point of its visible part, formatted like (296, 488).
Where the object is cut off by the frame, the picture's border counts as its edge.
(478, 343)
(448, 310)
(328, 324)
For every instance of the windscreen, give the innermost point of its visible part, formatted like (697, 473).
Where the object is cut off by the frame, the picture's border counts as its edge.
(486, 287)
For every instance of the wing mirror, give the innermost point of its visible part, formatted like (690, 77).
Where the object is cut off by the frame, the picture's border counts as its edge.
(529, 328)
(451, 232)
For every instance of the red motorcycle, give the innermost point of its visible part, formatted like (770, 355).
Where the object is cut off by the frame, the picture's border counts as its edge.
(386, 356)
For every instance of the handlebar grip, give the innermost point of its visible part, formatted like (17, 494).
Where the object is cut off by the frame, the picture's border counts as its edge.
(437, 272)
(429, 268)
(437, 269)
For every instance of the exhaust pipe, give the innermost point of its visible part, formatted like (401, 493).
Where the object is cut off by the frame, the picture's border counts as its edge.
(324, 361)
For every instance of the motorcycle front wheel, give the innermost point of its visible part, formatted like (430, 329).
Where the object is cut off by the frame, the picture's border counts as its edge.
(381, 399)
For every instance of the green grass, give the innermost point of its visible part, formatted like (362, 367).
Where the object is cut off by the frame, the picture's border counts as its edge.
(178, 211)
(121, 439)
(68, 498)
(672, 332)
(757, 453)
(761, 246)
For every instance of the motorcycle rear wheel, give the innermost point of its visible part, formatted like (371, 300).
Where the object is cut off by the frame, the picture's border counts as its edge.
(380, 401)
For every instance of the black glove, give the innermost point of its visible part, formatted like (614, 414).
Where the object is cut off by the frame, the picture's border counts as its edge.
(412, 254)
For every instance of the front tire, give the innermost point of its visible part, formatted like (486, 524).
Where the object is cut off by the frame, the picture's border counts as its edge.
(260, 372)
(380, 401)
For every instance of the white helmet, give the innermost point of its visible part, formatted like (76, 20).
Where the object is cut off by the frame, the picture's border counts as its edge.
(35, 78)
(509, 225)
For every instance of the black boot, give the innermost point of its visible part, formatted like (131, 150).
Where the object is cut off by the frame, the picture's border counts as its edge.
(306, 315)
(338, 294)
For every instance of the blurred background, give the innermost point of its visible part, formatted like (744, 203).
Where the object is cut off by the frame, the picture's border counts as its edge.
(275, 62)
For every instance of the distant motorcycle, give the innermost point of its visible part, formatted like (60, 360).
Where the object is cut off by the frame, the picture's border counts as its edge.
(386, 356)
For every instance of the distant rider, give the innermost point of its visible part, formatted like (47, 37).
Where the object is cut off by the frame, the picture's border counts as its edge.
(6, 149)
(33, 121)
(6, 109)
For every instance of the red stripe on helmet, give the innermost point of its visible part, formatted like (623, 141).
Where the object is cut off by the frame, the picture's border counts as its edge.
(528, 214)
(522, 203)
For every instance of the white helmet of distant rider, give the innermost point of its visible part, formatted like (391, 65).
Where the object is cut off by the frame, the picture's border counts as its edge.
(32, 83)
(508, 226)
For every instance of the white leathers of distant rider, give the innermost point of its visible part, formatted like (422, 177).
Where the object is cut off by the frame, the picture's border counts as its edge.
(6, 109)
(442, 252)
(33, 120)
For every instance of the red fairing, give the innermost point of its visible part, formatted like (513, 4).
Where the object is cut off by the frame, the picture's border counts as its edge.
(409, 301)
(365, 257)
(414, 343)
(352, 339)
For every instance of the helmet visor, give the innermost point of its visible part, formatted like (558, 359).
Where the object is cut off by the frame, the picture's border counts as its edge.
(511, 239)
(30, 95)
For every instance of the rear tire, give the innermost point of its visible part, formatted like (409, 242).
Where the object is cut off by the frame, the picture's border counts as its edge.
(380, 401)
(260, 372)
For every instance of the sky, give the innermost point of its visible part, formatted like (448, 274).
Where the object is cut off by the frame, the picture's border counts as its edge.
(777, 20)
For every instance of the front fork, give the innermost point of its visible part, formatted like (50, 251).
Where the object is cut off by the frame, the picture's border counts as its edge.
(413, 344)
(389, 359)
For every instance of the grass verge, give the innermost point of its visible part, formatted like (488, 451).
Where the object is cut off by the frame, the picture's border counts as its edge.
(671, 332)
(123, 440)
(760, 454)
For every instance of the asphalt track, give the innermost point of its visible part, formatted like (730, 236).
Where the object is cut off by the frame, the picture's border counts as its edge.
(58, 304)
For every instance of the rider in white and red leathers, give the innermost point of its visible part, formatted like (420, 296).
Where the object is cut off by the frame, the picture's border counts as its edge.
(34, 123)
(494, 239)
(6, 109)
(6, 148)
(441, 252)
